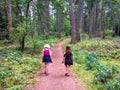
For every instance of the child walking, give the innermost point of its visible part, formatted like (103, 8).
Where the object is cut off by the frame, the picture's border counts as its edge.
(46, 53)
(68, 60)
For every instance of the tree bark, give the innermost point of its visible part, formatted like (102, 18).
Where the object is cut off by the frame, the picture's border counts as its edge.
(118, 30)
(43, 17)
(47, 16)
(58, 23)
(23, 43)
(102, 22)
(9, 15)
(91, 21)
(95, 17)
(72, 21)
(79, 18)
(112, 16)
(23, 37)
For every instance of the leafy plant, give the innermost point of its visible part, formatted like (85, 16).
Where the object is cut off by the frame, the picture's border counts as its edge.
(18, 87)
(108, 32)
(101, 77)
(114, 85)
(105, 72)
(102, 63)
(13, 55)
(91, 60)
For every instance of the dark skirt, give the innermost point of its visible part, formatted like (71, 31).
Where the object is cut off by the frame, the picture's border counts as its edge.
(47, 59)
(68, 62)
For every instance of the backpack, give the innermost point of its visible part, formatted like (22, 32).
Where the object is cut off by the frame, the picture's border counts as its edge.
(46, 51)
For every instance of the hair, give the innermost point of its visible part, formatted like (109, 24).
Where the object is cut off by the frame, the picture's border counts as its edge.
(68, 49)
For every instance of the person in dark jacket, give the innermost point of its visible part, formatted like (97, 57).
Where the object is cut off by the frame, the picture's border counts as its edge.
(68, 60)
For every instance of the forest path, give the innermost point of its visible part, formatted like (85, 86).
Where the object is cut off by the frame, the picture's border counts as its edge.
(56, 80)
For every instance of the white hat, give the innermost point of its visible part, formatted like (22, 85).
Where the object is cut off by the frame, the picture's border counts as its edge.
(46, 46)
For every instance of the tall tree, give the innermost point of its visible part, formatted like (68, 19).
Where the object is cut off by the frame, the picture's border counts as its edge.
(9, 15)
(95, 17)
(72, 21)
(43, 16)
(47, 18)
(59, 21)
(59, 7)
(79, 18)
(90, 12)
(22, 39)
(102, 22)
(112, 16)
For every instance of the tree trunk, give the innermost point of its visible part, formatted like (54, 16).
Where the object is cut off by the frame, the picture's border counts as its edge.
(95, 17)
(23, 43)
(58, 22)
(23, 37)
(47, 17)
(102, 22)
(72, 21)
(40, 15)
(112, 15)
(43, 17)
(9, 15)
(91, 22)
(118, 30)
(79, 18)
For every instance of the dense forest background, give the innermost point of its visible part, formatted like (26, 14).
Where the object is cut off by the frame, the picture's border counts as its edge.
(92, 25)
(19, 18)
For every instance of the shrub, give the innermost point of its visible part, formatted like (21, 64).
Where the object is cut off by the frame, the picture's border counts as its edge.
(13, 55)
(105, 72)
(91, 60)
(114, 85)
(108, 32)
(84, 36)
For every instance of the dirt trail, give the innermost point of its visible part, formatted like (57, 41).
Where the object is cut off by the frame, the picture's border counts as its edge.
(56, 80)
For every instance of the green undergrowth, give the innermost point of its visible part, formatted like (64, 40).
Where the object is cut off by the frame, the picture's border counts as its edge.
(97, 63)
(38, 41)
(17, 69)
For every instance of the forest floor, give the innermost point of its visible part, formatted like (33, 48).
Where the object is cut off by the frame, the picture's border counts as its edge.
(56, 80)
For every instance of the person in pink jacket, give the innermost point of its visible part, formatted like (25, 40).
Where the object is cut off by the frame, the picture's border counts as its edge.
(46, 53)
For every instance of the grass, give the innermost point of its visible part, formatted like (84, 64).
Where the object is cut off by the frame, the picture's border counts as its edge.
(108, 53)
(17, 68)
(83, 74)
